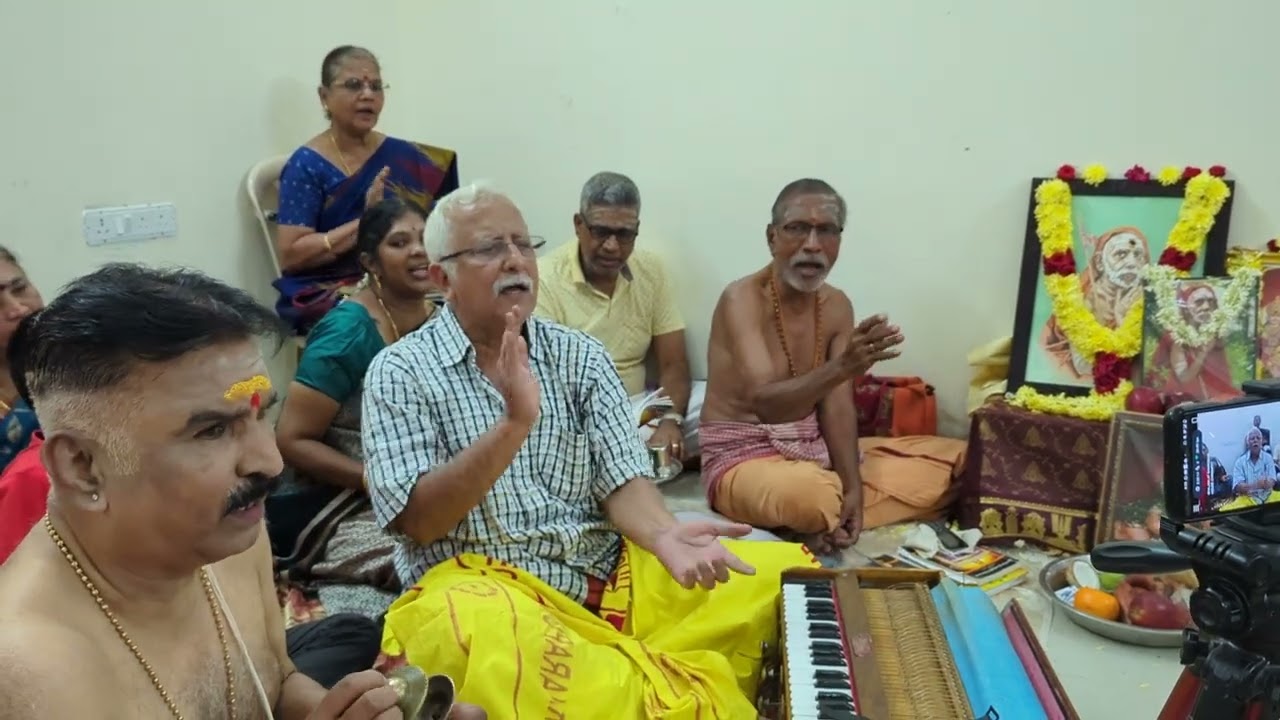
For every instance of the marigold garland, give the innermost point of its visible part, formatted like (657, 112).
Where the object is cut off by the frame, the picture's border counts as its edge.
(1111, 349)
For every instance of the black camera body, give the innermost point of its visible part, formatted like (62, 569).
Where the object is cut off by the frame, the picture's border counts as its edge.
(1235, 647)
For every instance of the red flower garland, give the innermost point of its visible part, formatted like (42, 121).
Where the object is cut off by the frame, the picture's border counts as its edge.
(1137, 173)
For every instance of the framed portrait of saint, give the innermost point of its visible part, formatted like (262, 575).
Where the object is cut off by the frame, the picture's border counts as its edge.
(1118, 227)
(1269, 318)
(1199, 336)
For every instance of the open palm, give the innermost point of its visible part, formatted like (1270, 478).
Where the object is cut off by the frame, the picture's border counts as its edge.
(693, 554)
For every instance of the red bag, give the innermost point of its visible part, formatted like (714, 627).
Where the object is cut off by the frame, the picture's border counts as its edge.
(895, 406)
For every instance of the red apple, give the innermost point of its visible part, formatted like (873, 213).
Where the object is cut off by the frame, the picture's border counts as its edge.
(1145, 400)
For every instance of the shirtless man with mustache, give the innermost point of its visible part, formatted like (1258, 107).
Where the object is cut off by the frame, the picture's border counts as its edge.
(778, 429)
(147, 589)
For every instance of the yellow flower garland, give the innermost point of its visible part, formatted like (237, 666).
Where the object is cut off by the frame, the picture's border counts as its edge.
(1202, 199)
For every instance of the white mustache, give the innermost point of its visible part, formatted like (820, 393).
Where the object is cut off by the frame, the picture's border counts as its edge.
(809, 260)
(522, 281)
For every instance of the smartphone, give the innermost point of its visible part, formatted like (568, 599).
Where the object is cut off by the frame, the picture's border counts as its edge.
(946, 537)
(1219, 460)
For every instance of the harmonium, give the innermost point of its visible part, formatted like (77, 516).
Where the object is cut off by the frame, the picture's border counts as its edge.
(890, 644)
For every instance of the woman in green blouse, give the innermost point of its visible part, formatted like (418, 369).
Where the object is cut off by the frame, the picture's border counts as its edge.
(341, 550)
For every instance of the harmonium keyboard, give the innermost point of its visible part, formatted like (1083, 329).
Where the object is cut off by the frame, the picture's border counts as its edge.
(884, 644)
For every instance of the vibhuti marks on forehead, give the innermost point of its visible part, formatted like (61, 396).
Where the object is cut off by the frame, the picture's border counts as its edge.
(253, 389)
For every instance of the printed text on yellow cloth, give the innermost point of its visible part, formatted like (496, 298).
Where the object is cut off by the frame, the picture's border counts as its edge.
(520, 649)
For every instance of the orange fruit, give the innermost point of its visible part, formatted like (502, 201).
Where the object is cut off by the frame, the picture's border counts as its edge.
(1097, 603)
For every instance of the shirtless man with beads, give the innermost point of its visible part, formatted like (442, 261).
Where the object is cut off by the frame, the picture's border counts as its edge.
(778, 427)
(147, 590)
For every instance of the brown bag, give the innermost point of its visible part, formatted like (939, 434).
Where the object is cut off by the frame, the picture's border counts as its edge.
(895, 406)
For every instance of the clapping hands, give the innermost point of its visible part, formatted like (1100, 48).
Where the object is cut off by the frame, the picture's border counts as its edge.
(873, 340)
(514, 379)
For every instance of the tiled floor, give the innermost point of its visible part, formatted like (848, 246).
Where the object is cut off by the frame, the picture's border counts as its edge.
(1103, 678)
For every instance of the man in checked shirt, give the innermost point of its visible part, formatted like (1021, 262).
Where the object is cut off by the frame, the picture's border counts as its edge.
(545, 573)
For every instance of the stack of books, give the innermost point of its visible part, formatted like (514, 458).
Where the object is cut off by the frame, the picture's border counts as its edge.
(984, 567)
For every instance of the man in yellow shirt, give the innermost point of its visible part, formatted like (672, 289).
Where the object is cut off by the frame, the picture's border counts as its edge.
(605, 287)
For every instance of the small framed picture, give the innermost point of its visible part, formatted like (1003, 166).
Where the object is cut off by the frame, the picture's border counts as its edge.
(1199, 337)
(1132, 498)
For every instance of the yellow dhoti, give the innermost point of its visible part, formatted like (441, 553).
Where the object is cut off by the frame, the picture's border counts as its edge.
(522, 650)
(1244, 501)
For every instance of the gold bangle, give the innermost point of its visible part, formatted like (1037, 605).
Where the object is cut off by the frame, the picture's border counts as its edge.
(327, 244)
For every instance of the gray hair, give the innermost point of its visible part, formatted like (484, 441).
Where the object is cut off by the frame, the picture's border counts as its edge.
(609, 189)
(808, 186)
(437, 234)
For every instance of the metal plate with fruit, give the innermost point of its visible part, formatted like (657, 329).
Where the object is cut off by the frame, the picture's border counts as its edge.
(1134, 609)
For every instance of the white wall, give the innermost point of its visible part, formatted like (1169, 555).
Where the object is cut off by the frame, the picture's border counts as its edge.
(1224, 429)
(929, 115)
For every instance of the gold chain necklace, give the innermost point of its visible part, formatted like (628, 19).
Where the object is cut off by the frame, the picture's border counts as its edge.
(342, 158)
(782, 335)
(385, 311)
(394, 328)
(128, 641)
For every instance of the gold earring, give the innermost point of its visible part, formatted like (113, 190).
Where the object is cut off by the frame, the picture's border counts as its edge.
(377, 280)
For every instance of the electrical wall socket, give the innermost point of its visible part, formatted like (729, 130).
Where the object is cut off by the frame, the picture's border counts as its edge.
(129, 223)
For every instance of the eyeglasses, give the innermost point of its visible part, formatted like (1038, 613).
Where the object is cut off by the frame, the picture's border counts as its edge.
(498, 249)
(355, 85)
(827, 232)
(624, 236)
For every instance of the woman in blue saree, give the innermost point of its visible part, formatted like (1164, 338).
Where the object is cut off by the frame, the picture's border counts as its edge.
(18, 299)
(321, 520)
(328, 182)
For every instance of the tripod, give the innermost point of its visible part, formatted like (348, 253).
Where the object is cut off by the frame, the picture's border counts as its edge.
(1232, 668)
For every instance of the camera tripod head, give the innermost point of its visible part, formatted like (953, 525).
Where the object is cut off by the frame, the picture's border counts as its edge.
(1235, 647)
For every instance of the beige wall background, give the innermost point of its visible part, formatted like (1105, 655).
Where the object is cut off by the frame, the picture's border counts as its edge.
(929, 115)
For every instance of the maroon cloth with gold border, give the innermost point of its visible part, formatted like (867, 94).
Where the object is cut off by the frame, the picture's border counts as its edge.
(1033, 477)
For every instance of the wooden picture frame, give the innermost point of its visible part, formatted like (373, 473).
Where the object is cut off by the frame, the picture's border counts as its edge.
(1268, 340)
(1142, 212)
(1132, 497)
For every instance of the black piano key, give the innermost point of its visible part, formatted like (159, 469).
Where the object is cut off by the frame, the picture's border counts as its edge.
(828, 661)
(825, 713)
(824, 633)
(834, 698)
(831, 675)
(831, 684)
(827, 645)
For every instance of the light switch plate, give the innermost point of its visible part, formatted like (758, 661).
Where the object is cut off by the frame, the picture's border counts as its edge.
(129, 223)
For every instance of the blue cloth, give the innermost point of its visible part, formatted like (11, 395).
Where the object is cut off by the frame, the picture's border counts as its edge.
(316, 194)
(18, 425)
(989, 666)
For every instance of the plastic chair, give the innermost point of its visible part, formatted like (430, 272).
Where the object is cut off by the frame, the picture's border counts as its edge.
(263, 186)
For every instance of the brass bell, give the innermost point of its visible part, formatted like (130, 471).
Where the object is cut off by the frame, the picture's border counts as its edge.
(422, 697)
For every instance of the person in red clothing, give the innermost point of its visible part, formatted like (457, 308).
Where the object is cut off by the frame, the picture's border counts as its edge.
(24, 494)
(24, 484)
